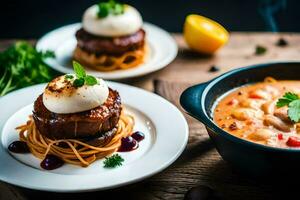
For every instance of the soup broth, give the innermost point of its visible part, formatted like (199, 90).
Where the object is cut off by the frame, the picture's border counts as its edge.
(250, 113)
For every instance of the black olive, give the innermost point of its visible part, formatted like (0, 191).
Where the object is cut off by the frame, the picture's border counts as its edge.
(51, 162)
(18, 147)
(214, 68)
(282, 42)
(138, 136)
(128, 144)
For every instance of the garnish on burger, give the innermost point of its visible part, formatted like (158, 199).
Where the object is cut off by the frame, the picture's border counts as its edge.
(111, 37)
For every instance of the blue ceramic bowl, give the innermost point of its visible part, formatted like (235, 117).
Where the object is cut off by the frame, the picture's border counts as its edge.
(248, 157)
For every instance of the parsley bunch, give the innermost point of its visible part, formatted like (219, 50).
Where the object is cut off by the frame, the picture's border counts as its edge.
(113, 161)
(110, 7)
(293, 102)
(22, 65)
(81, 76)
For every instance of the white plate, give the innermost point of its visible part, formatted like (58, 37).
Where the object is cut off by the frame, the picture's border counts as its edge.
(162, 50)
(165, 128)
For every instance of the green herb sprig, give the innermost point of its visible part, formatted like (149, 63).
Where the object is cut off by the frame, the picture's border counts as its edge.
(293, 102)
(22, 65)
(110, 7)
(69, 76)
(260, 50)
(113, 161)
(81, 76)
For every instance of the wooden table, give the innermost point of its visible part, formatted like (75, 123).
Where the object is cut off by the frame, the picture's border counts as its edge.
(200, 163)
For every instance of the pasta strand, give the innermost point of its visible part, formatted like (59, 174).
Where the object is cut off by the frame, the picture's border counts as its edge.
(77, 152)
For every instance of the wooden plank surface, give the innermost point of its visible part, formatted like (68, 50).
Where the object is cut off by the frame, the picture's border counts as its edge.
(240, 51)
(199, 163)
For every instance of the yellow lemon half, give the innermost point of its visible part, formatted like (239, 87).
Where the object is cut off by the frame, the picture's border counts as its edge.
(204, 35)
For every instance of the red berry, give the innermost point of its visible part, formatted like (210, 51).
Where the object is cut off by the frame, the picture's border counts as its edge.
(280, 136)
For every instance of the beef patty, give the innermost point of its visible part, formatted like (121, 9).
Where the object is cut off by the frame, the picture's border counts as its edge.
(86, 124)
(109, 45)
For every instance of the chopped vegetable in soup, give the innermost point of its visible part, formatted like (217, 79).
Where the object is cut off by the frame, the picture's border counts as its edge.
(266, 113)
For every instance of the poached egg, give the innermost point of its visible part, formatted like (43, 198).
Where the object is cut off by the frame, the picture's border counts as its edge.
(60, 96)
(126, 23)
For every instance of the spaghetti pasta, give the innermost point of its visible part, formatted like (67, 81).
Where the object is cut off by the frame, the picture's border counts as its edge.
(75, 151)
(108, 62)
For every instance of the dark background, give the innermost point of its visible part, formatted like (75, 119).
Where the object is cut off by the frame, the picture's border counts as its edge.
(33, 18)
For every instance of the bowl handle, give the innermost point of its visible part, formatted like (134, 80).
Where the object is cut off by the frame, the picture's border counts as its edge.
(190, 100)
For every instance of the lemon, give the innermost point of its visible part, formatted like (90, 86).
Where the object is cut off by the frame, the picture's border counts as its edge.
(204, 35)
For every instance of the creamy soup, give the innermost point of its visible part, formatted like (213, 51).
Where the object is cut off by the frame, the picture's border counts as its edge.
(250, 113)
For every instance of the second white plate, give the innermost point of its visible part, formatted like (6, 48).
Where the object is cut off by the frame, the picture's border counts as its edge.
(162, 50)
